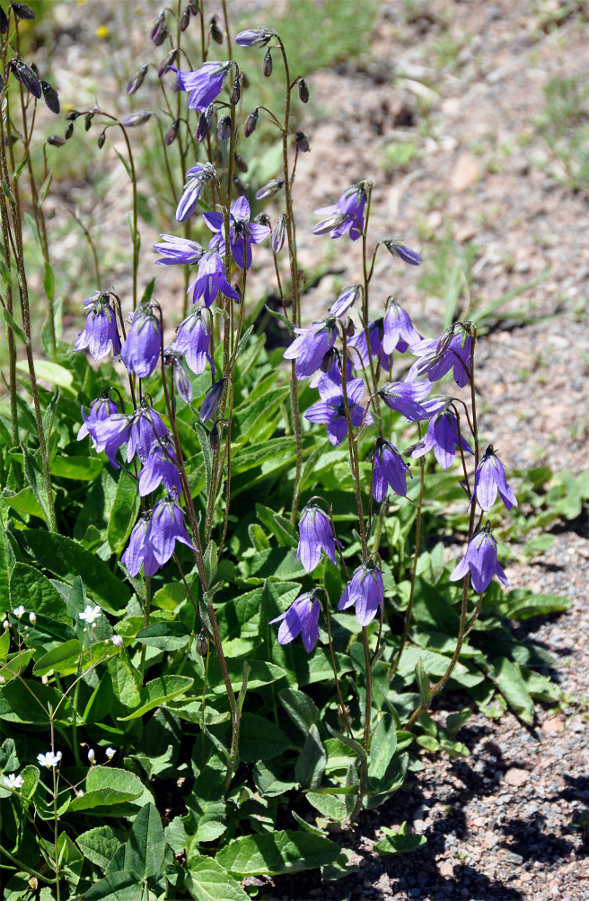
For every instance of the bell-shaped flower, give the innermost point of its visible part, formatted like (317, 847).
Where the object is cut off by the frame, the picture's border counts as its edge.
(345, 300)
(178, 251)
(481, 560)
(142, 349)
(331, 408)
(389, 472)
(100, 409)
(301, 617)
(398, 330)
(489, 480)
(197, 178)
(192, 340)
(212, 400)
(242, 232)
(365, 592)
(167, 527)
(437, 356)
(442, 437)
(140, 431)
(405, 397)
(310, 347)
(211, 279)
(254, 37)
(139, 552)
(358, 347)
(315, 535)
(345, 216)
(204, 84)
(101, 335)
(411, 257)
(160, 467)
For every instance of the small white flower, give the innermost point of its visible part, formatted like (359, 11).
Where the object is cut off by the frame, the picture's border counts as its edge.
(6, 624)
(110, 753)
(19, 611)
(91, 756)
(32, 618)
(12, 781)
(90, 614)
(117, 641)
(49, 759)
(79, 794)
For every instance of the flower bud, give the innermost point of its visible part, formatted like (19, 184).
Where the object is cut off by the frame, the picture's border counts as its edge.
(110, 753)
(303, 90)
(32, 618)
(185, 19)
(263, 219)
(50, 97)
(271, 188)
(267, 65)
(194, 7)
(302, 142)
(133, 120)
(172, 132)
(404, 253)
(69, 130)
(212, 400)
(240, 187)
(235, 92)
(22, 11)
(350, 327)
(100, 141)
(168, 60)
(202, 644)
(224, 128)
(88, 121)
(214, 442)
(117, 641)
(137, 79)
(240, 162)
(56, 140)
(250, 123)
(159, 29)
(4, 23)
(205, 122)
(255, 37)
(328, 360)
(278, 234)
(91, 756)
(27, 77)
(216, 33)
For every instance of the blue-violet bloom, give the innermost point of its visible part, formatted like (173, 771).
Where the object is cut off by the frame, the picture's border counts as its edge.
(345, 215)
(211, 279)
(442, 436)
(315, 535)
(254, 37)
(204, 84)
(212, 400)
(139, 551)
(100, 409)
(399, 332)
(365, 591)
(404, 253)
(389, 472)
(481, 560)
(301, 616)
(438, 356)
(405, 397)
(489, 479)
(192, 340)
(345, 300)
(242, 232)
(331, 408)
(167, 527)
(197, 178)
(100, 335)
(310, 346)
(359, 356)
(141, 350)
(177, 250)
(160, 467)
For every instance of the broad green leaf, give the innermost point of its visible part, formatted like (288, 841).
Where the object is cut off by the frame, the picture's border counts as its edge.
(300, 708)
(6, 563)
(99, 845)
(145, 847)
(14, 326)
(61, 660)
(278, 852)
(209, 881)
(268, 781)
(119, 886)
(523, 605)
(82, 469)
(210, 815)
(252, 416)
(328, 805)
(310, 766)
(508, 678)
(108, 787)
(398, 842)
(382, 747)
(251, 456)
(67, 559)
(260, 738)
(123, 514)
(157, 692)
(29, 701)
(165, 636)
(36, 593)
(423, 683)
(50, 372)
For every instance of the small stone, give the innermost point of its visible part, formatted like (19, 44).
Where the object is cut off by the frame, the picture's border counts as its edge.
(516, 776)
(554, 724)
(466, 172)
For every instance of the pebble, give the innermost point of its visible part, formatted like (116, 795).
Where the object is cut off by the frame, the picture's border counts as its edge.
(515, 776)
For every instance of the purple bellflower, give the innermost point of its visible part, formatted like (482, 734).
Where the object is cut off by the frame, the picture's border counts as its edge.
(442, 436)
(242, 232)
(139, 551)
(481, 560)
(192, 340)
(175, 360)
(315, 535)
(301, 616)
(399, 332)
(345, 216)
(100, 409)
(101, 335)
(390, 471)
(140, 431)
(160, 467)
(345, 301)
(404, 253)
(211, 279)
(310, 347)
(405, 397)
(331, 408)
(176, 250)
(438, 356)
(204, 84)
(141, 350)
(254, 37)
(360, 356)
(167, 527)
(197, 178)
(489, 479)
(365, 592)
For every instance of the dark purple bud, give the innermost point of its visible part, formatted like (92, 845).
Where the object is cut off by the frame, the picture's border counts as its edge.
(267, 66)
(137, 79)
(278, 234)
(194, 7)
(302, 142)
(172, 132)
(4, 23)
(271, 188)
(215, 438)
(159, 28)
(50, 97)
(250, 123)
(202, 645)
(69, 130)
(205, 122)
(27, 77)
(329, 359)
(240, 162)
(133, 120)
(88, 121)
(255, 37)
(101, 140)
(168, 60)
(224, 128)
(235, 92)
(72, 116)
(404, 253)
(216, 33)
(56, 140)
(185, 19)
(240, 187)
(22, 11)
(263, 219)
(303, 90)
(212, 400)
(350, 327)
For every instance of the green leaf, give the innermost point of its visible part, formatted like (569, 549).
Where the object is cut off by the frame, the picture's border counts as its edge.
(14, 326)
(508, 678)
(382, 748)
(209, 881)
(123, 514)
(157, 692)
(310, 766)
(106, 789)
(145, 847)
(29, 701)
(260, 738)
(67, 559)
(268, 781)
(300, 708)
(30, 587)
(207, 453)
(165, 636)
(278, 852)
(81, 469)
(51, 372)
(523, 604)
(251, 416)
(34, 476)
(398, 842)
(423, 683)
(62, 660)
(328, 806)
(119, 886)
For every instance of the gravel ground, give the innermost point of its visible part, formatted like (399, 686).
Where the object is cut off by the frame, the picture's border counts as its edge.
(510, 821)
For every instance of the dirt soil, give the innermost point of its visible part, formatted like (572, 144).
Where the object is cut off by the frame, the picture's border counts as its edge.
(465, 81)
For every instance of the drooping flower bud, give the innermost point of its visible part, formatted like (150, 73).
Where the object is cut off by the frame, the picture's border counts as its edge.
(4, 23)
(302, 142)
(216, 32)
(404, 253)
(137, 79)
(27, 77)
(88, 121)
(214, 438)
(267, 65)
(235, 92)
(205, 122)
(168, 60)
(303, 90)
(250, 123)
(271, 188)
(185, 19)
(202, 645)
(224, 128)
(100, 141)
(240, 162)
(172, 132)
(56, 140)
(278, 234)
(212, 400)
(22, 11)
(159, 29)
(240, 187)
(50, 97)
(255, 37)
(134, 120)
(69, 130)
